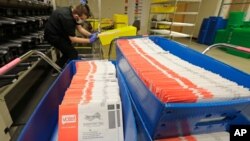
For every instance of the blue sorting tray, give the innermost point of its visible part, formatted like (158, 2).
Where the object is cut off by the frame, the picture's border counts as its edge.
(177, 119)
(142, 132)
(42, 125)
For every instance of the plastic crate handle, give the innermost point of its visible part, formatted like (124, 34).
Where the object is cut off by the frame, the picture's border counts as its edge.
(13, 63)
(240, 48)
(9, 66)
(243, 49)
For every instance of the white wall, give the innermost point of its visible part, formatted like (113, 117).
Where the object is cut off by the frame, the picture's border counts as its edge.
(145, 17)
(224, 9)
(248, 14)
(131, 9)
(109, 7)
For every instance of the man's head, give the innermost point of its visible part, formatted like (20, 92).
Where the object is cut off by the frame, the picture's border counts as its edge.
(81, 12)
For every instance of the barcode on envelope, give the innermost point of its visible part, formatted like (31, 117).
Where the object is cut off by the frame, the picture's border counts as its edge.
(114, 116)
(111, 116)
(118, 115)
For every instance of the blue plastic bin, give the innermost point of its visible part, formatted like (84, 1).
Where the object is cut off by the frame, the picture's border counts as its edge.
(216, 23)
(208, 29)
(202, 36)
(142, 132)
(177, 119)
(203, 31)
(42, 125)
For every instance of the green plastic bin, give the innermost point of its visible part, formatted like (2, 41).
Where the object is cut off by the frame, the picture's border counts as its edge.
(235, 19)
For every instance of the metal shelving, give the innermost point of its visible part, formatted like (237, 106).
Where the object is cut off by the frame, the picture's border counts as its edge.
(173, 1)
(169, 32)
(223, 3)
(177, 13)
(174, 23)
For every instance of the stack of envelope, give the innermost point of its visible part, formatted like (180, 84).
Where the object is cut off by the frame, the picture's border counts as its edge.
(173, 79)
(91, 108)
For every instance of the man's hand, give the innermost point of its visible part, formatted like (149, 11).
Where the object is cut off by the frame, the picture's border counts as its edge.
(93, 37)
(94, 34)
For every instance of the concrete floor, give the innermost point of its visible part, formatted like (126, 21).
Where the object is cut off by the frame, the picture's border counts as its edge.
(240, 63)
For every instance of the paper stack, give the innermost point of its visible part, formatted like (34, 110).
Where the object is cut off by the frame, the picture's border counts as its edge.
(173, 79)
(91, 109)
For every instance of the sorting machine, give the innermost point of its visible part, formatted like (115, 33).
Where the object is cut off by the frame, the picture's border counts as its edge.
(21, 30)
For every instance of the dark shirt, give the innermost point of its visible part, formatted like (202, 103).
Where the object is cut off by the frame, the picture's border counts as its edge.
(61, 24)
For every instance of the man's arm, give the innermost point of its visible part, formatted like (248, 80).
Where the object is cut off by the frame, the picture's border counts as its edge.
(83, 31)
(78, 40)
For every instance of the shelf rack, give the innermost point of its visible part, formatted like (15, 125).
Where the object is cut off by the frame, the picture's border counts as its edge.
(169, 31)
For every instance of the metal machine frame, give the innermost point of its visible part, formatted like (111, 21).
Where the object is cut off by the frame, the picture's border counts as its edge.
(11, 93)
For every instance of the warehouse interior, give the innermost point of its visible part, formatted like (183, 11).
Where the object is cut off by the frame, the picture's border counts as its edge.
(128, 73)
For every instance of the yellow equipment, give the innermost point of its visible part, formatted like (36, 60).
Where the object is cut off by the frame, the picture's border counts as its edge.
(107, 36)
(120, 20)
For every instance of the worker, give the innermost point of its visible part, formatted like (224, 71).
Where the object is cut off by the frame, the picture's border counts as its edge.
(60, 31)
